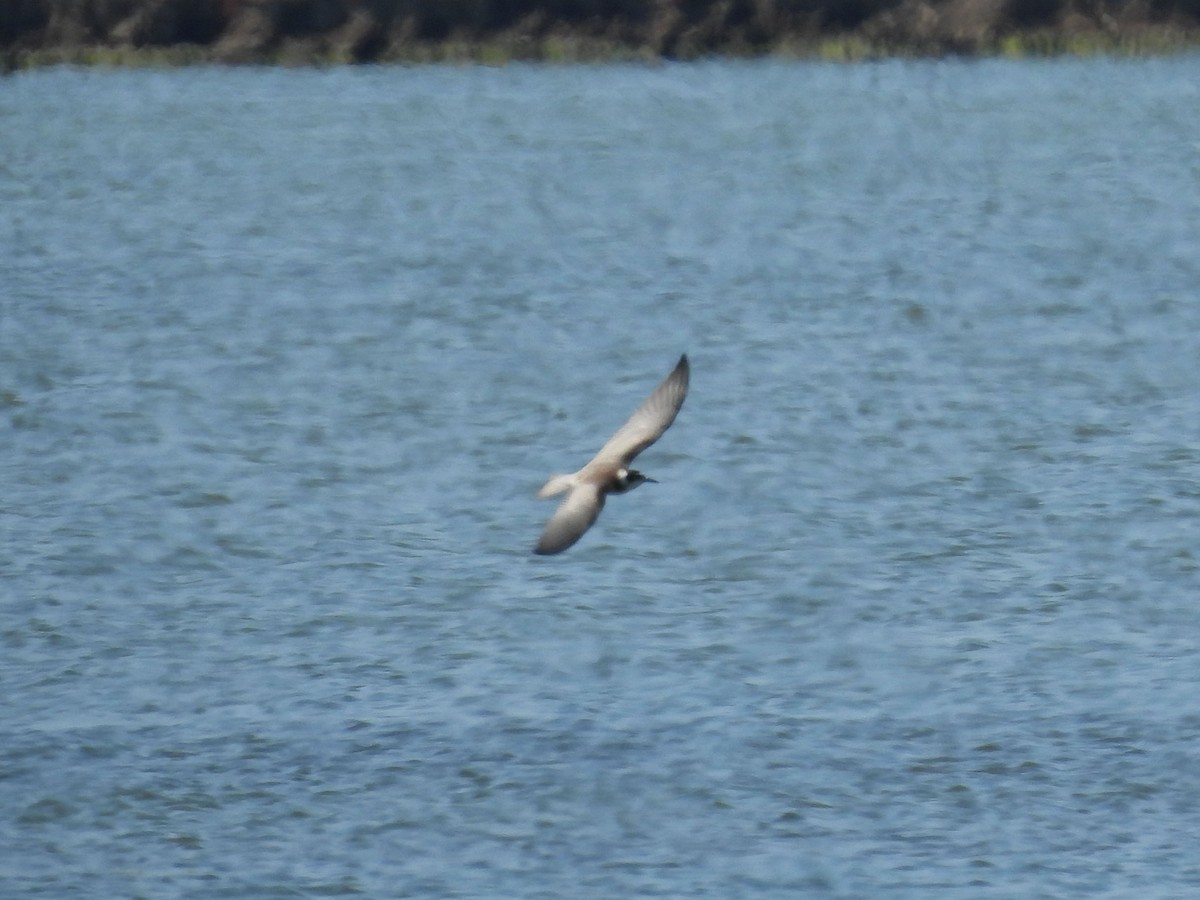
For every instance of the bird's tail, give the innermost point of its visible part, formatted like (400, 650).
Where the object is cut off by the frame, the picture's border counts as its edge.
(557, 485)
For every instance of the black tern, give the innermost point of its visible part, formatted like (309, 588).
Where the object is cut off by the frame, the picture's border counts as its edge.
(609, 472)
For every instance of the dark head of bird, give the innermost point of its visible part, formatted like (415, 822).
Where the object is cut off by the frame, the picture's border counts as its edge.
(627, 480)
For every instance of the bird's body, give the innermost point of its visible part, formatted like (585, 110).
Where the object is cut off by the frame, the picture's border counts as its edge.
(609, 471)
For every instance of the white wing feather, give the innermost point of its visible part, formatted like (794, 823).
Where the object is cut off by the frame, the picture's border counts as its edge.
(573, 517)
(648, 421)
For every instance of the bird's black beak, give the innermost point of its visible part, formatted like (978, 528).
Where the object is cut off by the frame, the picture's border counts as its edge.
(654, 480)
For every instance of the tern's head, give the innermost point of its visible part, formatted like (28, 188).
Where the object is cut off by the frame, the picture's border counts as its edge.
(628, 479)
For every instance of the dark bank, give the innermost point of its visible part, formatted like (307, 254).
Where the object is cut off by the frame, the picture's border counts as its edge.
(37, 32)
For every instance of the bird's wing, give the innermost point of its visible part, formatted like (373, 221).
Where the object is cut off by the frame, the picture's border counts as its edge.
(573, 517)
(649, 421)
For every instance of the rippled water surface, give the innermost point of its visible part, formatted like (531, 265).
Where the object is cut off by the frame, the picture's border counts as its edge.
(284, 356)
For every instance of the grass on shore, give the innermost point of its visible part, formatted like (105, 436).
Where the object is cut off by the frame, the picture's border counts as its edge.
(568, 50)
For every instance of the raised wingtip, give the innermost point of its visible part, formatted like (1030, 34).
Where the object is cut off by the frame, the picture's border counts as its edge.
(683, 367)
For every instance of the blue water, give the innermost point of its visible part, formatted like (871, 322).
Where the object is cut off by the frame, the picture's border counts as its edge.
(284, 356)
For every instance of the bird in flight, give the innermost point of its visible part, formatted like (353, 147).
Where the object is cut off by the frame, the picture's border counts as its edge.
(609, 472)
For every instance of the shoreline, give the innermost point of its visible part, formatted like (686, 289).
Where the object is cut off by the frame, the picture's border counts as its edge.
(841, 50)
(120, 33)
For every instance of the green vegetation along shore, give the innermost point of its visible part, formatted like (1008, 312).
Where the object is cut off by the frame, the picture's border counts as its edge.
(304, 32)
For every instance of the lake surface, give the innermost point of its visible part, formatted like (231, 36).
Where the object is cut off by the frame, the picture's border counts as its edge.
(285, 354)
